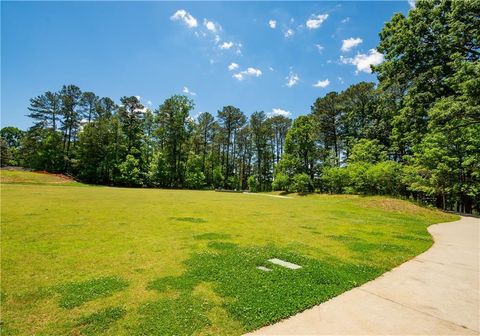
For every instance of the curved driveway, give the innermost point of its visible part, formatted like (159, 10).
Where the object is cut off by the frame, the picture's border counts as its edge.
(436, 293)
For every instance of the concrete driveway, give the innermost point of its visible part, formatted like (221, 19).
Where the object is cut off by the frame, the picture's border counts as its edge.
(436, 293)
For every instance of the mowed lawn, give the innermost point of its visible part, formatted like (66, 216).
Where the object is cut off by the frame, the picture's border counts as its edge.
(117, 261)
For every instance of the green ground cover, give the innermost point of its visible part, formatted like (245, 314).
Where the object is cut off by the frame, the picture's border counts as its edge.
(115, 261)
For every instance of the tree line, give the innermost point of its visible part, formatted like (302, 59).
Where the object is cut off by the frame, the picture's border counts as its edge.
(415, 134)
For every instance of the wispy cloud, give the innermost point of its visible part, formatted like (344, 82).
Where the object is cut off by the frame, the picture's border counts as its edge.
(272, 24)
(279, 112)
(188, 91)
(316, 21)
(185, 17)
(364, 61)
(412, 3)
(346, 20)
(226, 45)
(250, 72)
(233, 66)
(292, 79)
(319, 47)
(211, 26)
(322, 83)
(288, 33)
(350, 43)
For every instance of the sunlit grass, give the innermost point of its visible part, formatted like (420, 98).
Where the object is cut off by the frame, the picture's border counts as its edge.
(188, 256)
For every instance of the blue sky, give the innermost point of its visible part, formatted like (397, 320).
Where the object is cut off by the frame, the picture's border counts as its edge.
(272, 56)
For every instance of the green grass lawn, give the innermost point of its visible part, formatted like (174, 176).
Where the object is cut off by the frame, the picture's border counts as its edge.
(115, 261)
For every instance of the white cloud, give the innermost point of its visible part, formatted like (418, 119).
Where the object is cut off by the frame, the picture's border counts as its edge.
(217, 39)
(250, 72)
(271, 69)
(185, 17)
(149, 102)
(187, 91)
(226, 45)
(288, 33)
(340, 79)
(138, 97)
(350, 43)
(319, 47)
(279, 112)
(272, 24)
(346, 20)
(292, 79)
(316, 21)
(412, 3)
(233, 66)
(322, 84)
(363, 61)
(210, 25)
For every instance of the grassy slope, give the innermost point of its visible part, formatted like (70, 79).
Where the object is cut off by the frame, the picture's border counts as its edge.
(131, 261)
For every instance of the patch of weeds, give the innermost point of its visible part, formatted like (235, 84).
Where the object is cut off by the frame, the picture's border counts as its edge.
(221, 245)
(256, 298)
(211, 236)
(189, 219)
(411, 237)
(74, 294)
(181, 316)
(99, 322)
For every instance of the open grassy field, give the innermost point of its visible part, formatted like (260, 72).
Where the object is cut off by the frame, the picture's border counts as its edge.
(98, 260)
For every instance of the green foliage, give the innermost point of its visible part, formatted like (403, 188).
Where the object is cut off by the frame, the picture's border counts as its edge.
(302, 183)
(42, 150)
(173, 133)
(194, 178)
(301, 152)
(11, 138)
(253, 184)
(74, 294)
(385, 178)
(335, 180)
(368, 151)
(5, 154)
(129, 172)
(281, 182)
(420, 50)
(100, 321)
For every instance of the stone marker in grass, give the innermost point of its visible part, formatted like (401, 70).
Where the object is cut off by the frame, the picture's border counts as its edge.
(284, 263)
(263, 268)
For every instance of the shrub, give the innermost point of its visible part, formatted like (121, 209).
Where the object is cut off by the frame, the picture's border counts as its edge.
(357, 178)
(335, 180)
(385, 178)
(130, 174)
(302, 183)
(253, 183)
(281, 182)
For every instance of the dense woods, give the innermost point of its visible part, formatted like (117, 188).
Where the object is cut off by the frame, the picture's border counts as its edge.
(415, 134)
